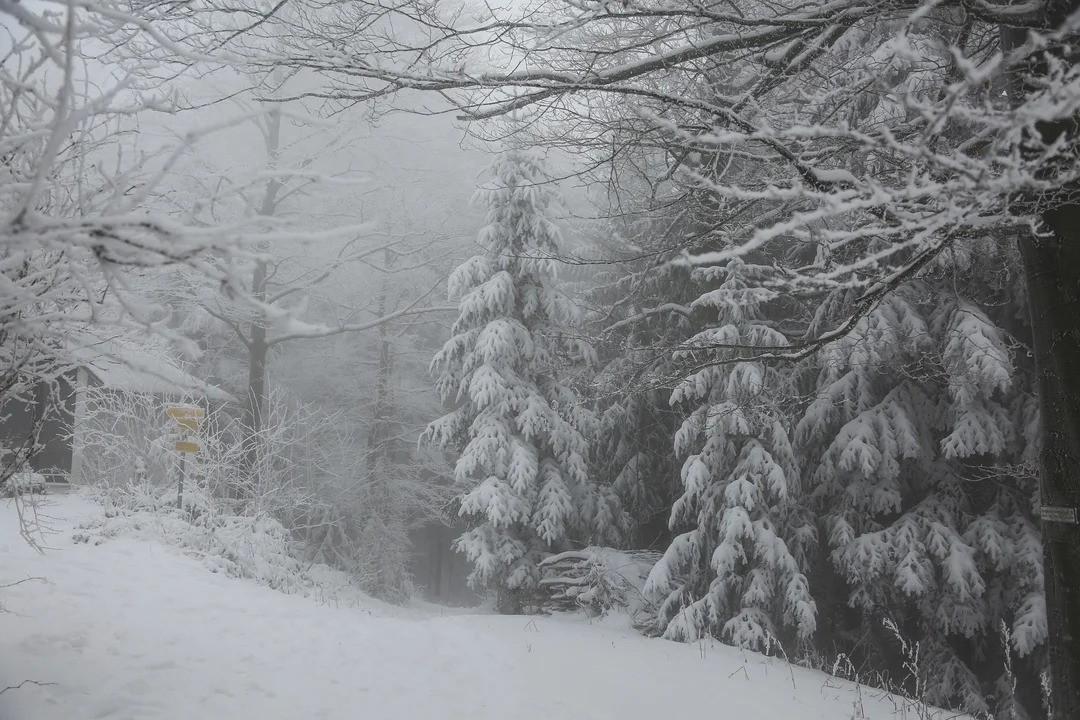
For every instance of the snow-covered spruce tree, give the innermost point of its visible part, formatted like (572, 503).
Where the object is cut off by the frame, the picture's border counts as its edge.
(920, 449)
(737, 571)
(643, 314)
(635, 436)
(520, 431)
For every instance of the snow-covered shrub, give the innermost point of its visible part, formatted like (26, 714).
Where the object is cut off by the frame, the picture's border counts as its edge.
(128, 439)
(133, 470)
(24, 482)
(597, 580)
(257, 546)
(22, 489)
(333, 505)
(123, 437)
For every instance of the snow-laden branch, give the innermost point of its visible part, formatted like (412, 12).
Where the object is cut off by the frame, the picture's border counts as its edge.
(584, 47)
(295, 329)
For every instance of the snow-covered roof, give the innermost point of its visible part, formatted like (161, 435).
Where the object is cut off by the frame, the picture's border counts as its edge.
(120, 365)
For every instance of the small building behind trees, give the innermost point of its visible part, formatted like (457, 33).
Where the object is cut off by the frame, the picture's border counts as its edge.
(48, 427)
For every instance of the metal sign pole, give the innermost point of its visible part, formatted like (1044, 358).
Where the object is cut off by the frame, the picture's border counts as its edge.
(187, 417)
(180, 485)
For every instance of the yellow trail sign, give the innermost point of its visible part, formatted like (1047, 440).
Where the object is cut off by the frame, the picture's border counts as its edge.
(191, 424)
(185, 412)
(185, 446)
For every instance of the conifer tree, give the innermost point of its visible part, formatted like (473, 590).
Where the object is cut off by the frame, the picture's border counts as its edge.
(738, 570)
(520, 431)
(645, 313)
(919, 448)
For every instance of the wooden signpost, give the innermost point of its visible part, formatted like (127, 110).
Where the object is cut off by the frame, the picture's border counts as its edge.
(186, 411)
(187, 417)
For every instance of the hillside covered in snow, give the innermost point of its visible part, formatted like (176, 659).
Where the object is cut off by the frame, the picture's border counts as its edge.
(119, 626)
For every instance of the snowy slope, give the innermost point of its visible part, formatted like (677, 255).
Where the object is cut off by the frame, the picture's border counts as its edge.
(133, 630)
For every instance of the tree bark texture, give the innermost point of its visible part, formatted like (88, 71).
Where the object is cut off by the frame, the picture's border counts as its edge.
(1051, 265)
(1052, 270)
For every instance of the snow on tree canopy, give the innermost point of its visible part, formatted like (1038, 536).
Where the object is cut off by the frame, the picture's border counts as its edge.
(519, 431)
(918, 417)
(736, 573)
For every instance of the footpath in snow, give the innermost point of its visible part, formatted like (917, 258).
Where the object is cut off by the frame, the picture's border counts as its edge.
(133, 630)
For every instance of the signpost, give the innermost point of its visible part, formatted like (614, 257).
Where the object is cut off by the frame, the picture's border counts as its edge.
(187, 417)
(186, 411)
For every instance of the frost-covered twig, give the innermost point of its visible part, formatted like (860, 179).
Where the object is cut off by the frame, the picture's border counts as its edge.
(39, 683)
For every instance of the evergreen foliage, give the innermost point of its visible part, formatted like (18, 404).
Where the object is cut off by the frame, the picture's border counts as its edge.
(919, 448)
(738, 572)
(521, 433)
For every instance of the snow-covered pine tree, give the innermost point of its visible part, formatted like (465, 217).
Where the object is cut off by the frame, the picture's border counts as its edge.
(519, 428)
(737, 571)
(919, 449)
(644, 313)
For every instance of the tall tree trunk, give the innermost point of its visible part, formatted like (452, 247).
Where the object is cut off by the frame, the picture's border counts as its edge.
(1051, 263)
(255, 406)
(256, 401)
(1052, 270)
(390, 574)
(436, 584)
(380, 432)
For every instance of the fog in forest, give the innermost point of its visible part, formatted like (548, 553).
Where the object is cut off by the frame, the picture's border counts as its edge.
(615, 359)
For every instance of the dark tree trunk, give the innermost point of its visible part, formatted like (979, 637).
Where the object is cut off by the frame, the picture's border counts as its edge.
(1051, 263)
(1052, 270)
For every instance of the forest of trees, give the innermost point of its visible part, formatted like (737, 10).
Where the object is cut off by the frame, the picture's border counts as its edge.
(785, 293)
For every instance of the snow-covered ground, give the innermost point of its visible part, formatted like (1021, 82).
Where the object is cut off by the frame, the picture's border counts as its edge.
(130, 629)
